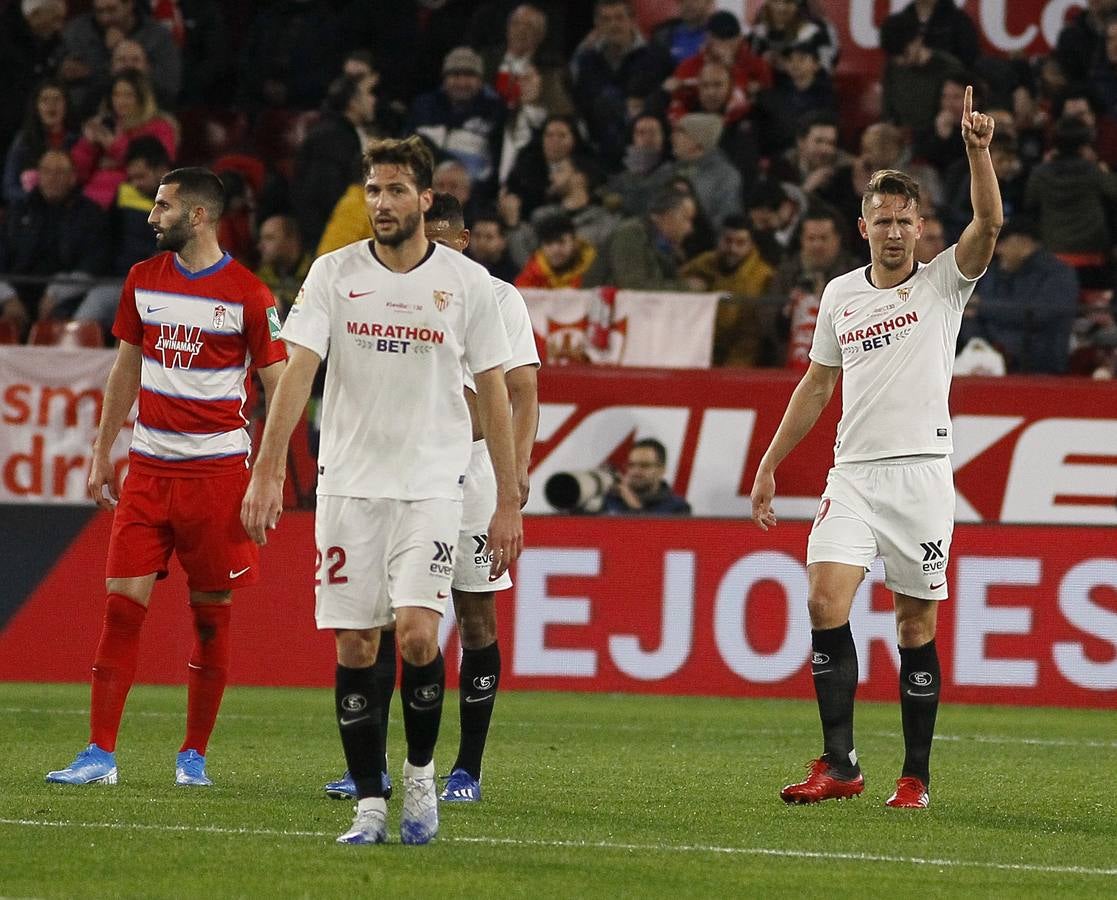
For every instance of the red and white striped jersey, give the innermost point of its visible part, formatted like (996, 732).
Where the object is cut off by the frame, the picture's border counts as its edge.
(200, 333)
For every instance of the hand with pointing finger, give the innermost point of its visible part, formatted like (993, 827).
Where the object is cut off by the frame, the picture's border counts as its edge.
(977, 128)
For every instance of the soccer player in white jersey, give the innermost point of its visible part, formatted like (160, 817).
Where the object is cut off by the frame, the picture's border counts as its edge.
(399, 318)
(473, 591)
(889, 329)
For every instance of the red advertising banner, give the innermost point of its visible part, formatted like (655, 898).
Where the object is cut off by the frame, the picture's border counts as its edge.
(689, 607)
(1026, 450)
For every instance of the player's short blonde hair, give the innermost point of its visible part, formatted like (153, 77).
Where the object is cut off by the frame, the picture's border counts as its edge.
(410, 153)
(892, 182)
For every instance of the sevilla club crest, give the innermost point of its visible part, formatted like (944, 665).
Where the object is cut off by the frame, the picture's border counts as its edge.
(442, 299)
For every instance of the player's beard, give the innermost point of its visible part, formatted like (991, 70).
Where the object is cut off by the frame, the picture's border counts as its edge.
(893, 262)
(406, 229)
(174, 238)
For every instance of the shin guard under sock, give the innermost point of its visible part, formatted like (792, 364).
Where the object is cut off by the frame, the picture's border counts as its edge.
(207, 674)
(422, 689)
(834, 667)
(358, 721)
(919, 705)
(384, 674)
(480, 679)
(114, 668)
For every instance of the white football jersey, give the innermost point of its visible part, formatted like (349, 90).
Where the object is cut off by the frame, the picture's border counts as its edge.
(517, 325)
(394, 420)
(896, 349)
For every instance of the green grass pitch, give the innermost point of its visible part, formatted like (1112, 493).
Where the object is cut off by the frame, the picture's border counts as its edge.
(585, 796)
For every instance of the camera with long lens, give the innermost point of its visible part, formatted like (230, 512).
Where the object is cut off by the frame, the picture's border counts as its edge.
(582, 491)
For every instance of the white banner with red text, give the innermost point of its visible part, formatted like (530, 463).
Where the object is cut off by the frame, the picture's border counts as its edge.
(50, 404)
(625, 328)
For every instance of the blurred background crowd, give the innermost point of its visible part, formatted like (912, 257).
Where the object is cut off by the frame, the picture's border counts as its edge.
(588, 147)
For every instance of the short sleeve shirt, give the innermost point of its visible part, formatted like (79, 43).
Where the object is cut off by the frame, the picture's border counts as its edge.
(200, 333)
(895, 347)
(394, 418)
(517, 325)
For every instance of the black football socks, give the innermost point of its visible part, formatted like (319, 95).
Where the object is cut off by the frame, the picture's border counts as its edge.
(384, 676)
(421, 690)
(834, 667)
(480, 679)
(919, 704)
(358, 720)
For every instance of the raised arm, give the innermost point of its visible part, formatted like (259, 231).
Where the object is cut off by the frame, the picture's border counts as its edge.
(975, 246)
(807, 403)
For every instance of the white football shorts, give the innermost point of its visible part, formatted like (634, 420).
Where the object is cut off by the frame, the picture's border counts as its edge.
(901, 510)
(376, 555)
(472, 557)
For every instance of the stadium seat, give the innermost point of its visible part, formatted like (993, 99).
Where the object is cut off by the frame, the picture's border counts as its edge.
(9, 334)
(54, 333)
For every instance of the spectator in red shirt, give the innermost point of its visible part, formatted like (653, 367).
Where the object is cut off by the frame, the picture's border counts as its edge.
(562, 258)
(726, 44)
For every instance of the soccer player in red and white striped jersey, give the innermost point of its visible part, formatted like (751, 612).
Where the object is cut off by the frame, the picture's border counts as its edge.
(193, 324)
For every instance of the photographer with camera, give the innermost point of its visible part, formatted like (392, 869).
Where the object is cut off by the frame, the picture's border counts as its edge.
(640, 490)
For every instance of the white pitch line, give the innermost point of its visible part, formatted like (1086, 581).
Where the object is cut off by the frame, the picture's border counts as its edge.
(527, 723)
(601, 845)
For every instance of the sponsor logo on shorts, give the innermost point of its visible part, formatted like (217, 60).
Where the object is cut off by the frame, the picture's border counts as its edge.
(482, 555)
(934, 557)
(935, 587)
(443, 560)
(233, 574)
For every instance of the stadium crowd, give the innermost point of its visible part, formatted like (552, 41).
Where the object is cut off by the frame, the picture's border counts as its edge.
(710, 154)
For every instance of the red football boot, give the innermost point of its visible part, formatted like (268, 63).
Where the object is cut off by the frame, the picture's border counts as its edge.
(822, 784)
(911, 793)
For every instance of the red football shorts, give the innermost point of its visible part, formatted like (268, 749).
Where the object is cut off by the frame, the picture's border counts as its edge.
(197, 518)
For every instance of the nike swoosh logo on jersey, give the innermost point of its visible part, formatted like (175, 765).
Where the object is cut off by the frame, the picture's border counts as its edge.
(233, 574)
(935, 587)
(354, 295)
(478, 699)
(848, 312)
(154, 309)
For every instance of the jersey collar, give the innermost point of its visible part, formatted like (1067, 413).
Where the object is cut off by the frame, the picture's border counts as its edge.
(202, 273)
(430, 252)
(868, 277)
